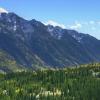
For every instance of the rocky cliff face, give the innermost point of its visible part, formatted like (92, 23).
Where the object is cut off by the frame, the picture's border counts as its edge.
(32, 44)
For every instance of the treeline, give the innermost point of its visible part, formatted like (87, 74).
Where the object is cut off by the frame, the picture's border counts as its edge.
(78, 83)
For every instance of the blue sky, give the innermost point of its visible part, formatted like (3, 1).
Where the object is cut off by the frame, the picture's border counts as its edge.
(81, 15)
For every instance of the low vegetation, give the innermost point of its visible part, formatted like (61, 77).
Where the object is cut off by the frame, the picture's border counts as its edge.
(78, 83)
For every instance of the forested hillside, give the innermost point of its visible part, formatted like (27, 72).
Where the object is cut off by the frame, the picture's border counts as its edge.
(78, 83)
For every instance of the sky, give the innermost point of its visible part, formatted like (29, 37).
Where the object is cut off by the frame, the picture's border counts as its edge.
(81, 15)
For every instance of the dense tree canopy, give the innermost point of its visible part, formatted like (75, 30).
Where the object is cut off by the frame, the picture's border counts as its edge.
(78, 83)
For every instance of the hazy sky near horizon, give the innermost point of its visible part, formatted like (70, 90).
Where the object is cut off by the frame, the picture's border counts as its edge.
(81, 15)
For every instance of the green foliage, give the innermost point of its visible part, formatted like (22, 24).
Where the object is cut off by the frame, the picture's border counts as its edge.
(8, 64)
(80, 83)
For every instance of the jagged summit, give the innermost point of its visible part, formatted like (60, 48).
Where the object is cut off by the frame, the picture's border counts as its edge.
(33, 44)
(2, 10)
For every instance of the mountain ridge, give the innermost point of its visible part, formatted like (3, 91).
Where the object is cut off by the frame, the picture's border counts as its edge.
(33, 44)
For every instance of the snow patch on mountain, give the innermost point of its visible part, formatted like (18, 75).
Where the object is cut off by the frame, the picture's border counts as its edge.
(76, 35)
(56, 32)
(78, 38)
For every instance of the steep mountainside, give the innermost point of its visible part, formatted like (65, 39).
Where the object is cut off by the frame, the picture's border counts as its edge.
(8, 63)
(32, 44)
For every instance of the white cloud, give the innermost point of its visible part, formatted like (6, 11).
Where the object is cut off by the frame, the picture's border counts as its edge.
(76, 26)
(93, 28)
(3, 10)
(98, 22)
(85, 23)
(92, 22)
(51, 22)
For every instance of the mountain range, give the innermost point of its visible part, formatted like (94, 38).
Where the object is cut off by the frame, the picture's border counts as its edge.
(31, 44)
